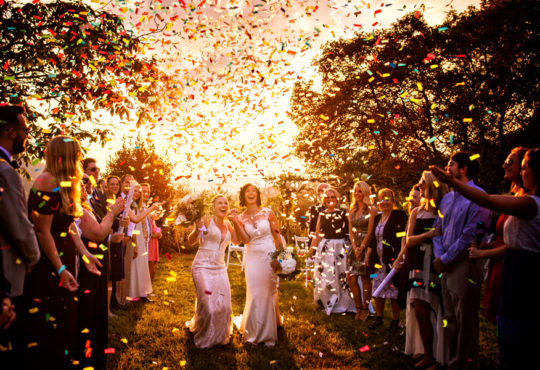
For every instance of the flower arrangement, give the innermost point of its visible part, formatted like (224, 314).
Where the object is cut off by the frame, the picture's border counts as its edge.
(189, 209)
(287, 260)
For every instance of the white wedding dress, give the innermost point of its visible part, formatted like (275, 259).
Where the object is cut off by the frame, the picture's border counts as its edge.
(259, 320)
(212, 323)
(140, 284)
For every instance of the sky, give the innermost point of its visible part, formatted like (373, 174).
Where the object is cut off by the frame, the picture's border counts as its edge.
(236, 62)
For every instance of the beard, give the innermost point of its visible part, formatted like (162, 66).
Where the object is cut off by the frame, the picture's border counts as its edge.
(19, 145)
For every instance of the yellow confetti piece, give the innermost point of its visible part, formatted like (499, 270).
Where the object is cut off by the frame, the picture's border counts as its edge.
(85, 259)
(170, 279)
(474, 156)
(440, 214)
(432, 203)
(124, 340)
(420, 87)
(444, 323)
(467, 120)
(183, 363)
(173, 273)
(371, 120)
(33, 310)
(32, 344)
(272, 362)
(18, 261)
(136, 232)
(401, 234)
(436, 183)
(175, 330)
(65, 184)
(377, 266)
(85, 330)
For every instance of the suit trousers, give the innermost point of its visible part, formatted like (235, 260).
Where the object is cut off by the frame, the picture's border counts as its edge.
(461, 287)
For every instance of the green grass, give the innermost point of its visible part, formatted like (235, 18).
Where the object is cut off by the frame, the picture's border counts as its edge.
(156, 337)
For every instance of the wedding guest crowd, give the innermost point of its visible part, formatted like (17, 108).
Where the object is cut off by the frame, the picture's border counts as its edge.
(80, 247)
(60, 249)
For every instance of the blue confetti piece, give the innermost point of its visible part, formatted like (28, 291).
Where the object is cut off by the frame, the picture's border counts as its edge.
(432, 139)
(56, 189)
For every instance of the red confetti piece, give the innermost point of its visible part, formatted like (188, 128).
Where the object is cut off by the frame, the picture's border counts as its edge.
(364, 348)
(168, 256)
(207, 292)
(109, 350)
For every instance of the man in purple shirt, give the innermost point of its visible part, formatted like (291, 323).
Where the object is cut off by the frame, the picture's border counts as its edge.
(461, 278)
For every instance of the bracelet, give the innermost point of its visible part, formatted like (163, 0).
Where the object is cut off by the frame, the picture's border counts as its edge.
(62, 268)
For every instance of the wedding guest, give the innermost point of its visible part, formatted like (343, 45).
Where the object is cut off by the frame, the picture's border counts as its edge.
(258, 228)
(97, 201)
(18, 244)
(92, 302)
(330, 287)
(424, 289)
(139, 283)
(517, 318)
(17, 236)
(313, 213)
(53, 205)
(414, 198)
(153, 245)
(461, 278)
(495, 249)
(361, 216)
(212, 323)
(119, 299)
(385, 247)
(115, 244)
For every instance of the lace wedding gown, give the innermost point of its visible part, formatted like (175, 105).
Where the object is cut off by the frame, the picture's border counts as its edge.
(212, 322)
(259, 320)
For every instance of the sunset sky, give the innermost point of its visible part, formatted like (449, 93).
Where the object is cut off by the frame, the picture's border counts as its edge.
(236, 63)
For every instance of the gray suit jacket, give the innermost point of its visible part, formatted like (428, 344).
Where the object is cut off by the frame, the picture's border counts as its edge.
(17, 238)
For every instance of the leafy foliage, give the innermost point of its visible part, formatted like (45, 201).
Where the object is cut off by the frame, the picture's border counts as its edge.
(396, 100)
(68, 63)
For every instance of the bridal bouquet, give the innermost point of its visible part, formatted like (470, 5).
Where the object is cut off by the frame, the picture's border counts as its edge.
(189, 209)
(287, 261)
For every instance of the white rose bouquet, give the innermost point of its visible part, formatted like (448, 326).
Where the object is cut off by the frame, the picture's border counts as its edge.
(190, 209)
(287, 261)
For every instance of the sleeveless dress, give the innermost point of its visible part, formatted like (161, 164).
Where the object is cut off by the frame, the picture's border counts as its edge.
(389, 291)
(360, 224)
(330, 287)
(517, 317)
(259, 320)
(212, 322)
(140, 284)
(49, 315)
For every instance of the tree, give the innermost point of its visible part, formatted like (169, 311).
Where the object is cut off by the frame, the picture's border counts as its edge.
(394, 101)
(67, 62)
(141, 160)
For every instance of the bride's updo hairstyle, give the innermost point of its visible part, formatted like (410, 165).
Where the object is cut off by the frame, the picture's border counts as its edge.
(243, 190)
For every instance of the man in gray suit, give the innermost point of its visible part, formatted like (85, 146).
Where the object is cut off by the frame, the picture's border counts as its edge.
(18, 243)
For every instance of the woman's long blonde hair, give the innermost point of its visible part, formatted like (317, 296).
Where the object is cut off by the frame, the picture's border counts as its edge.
(63, 161)
(433, 193)
(366, 192)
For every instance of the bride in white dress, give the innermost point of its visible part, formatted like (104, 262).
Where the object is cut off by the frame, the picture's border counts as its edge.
(259, 230)
(212, 323)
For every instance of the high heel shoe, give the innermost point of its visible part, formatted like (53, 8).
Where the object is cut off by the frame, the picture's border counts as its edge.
(378, 322)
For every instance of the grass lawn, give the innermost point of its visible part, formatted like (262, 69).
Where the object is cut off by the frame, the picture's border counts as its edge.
(152, 335)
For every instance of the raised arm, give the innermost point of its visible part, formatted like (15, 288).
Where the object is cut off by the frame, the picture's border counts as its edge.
(238, 226)
(95, 231)
(136, 218)
(522, 207)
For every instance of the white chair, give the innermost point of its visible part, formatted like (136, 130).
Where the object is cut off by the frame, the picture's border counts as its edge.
(302, 247)
(237, 248)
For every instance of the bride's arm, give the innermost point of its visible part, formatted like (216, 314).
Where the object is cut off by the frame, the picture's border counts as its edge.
(234, 238)
(193, 237)
(238, 227)
(274, 227)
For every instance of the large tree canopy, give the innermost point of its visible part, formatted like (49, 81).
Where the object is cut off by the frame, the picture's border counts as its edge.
(393, 101)
(67, 63)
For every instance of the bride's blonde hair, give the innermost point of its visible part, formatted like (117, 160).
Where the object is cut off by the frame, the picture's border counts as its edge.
(63, 161)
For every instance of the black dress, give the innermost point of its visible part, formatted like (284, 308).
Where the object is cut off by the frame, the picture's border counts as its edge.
(92, 310)
(50, 311)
